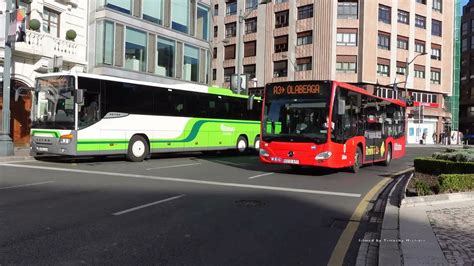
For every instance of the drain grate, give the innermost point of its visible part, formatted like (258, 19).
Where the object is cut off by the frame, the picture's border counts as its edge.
(250, 203)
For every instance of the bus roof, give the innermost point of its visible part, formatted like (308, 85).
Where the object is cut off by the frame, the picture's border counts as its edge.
(184, 86)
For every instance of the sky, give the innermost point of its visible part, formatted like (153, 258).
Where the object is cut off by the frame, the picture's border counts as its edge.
(463, 2)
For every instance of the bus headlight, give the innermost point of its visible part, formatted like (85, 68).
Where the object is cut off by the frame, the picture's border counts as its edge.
(264, 153)
(65, 139)
(323, 155)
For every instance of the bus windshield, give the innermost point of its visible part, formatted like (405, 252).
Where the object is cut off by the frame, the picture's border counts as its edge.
(54, 103)
(299, 120)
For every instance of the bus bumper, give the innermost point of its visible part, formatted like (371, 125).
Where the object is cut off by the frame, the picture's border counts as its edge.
(51, 145)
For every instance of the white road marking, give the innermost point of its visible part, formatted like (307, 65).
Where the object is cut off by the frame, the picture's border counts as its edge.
(255, 176)
(28, 185)
(19, 161)
(148, 205)
(184, 180)
(173, 166)
(229, 163)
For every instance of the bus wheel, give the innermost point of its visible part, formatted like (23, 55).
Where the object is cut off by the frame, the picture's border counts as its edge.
(389, 156)
(357, 161)
(257, 144)
(137, 149)
(242, 144)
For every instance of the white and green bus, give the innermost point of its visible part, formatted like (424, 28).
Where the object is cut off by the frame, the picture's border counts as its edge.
(80, 114)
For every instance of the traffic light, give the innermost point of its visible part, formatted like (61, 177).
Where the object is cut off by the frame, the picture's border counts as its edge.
(410, 102)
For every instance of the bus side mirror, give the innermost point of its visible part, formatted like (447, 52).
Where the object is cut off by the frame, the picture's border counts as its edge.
(250, 102)
(80, 96)
(341, 107)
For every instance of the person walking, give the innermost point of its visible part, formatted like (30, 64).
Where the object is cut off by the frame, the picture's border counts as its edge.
(434, 137)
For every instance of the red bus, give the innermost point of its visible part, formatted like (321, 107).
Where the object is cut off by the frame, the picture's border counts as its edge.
(329, 124)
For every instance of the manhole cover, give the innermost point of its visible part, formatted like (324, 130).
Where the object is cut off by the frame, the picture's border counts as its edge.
(249, 203)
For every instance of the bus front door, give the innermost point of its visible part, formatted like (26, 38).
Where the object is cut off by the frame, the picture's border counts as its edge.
(374, 144)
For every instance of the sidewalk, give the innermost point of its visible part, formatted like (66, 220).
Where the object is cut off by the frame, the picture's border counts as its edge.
(19, 154)
(433, 146)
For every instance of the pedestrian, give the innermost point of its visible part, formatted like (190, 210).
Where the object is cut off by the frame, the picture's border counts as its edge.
(423, 137)
(434, 137)
(441, 138)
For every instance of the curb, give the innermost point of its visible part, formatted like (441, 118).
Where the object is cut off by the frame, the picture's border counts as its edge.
(14, 158)
(437, 199)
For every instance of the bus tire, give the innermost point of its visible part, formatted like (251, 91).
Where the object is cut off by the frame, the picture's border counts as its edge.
(256, 144)
(242, 144)
(357, 161)
(137, 149)
(389, 156)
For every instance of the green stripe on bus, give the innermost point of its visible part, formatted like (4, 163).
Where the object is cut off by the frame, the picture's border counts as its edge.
(55, 134)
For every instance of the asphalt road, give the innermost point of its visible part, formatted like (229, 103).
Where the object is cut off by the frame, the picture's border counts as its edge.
(179, 210)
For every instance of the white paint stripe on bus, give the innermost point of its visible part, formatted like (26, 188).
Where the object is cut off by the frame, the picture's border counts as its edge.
(255, 176)
(173, 166)
(192, 181)
(27, 185)
(148, 205)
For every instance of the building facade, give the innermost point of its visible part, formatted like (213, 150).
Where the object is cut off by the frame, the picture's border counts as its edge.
(46, 24)
(164, 41)
(364, 42)
(466, 103)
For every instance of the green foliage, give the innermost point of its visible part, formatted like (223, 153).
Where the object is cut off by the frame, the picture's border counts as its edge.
(455, 155)
(422, 188)
(456, 182)
(35, 24)
(434, 166)
(71, 35)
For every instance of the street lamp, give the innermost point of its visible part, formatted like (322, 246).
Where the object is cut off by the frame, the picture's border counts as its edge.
(239, 43)
(408, 72)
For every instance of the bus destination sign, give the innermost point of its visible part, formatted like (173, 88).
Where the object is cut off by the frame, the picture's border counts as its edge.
(291, 89)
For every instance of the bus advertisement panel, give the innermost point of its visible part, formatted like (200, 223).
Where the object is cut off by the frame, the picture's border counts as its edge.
(329, 124)
(85, 114)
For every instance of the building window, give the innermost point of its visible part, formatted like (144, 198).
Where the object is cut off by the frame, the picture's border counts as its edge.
(384, 40)
(216, 11)
(214, 52)
(135, 50)
(436, 53)
(228, 72)
(304, 64)
(472, 25)
(304, 38)
(472, 42)
(166, 51)
(346, 38)
(436, 27)
(419, 46)
(216, 31)
(403, 17)
(202, 27)
(346, 67)
(230, 30)
(281, 19)
(402, 43)
(251, 4)
(470, 111)
(280, 1)
(401, 68)
(421, 2)
(191, 63)
(420, 22)
(124, 6)
(419, 71)
(105, 43)
(229, 52)
(280, 69)
(387, 93)
(250, 25)
(153, 11)
(250, 71)
(347, 10)
(465, 29)
(281, 44)
(385, 14)
(51, 22)
(438, 5)
(250, 48)
(231, 8)
(383, 70)
(435, 76)
(214, 74)
(180, 15)
(305, 12)
(464, 45)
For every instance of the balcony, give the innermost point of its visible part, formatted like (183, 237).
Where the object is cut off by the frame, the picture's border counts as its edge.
(47, 46)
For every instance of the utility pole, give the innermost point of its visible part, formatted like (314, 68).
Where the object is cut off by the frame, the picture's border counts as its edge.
(6, 144)
(239, 48)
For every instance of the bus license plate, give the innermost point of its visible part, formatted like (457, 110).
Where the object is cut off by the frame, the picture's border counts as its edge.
(42, 149)
(291, 161)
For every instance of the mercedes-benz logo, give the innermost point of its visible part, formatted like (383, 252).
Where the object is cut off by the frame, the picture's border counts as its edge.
(290, 154)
